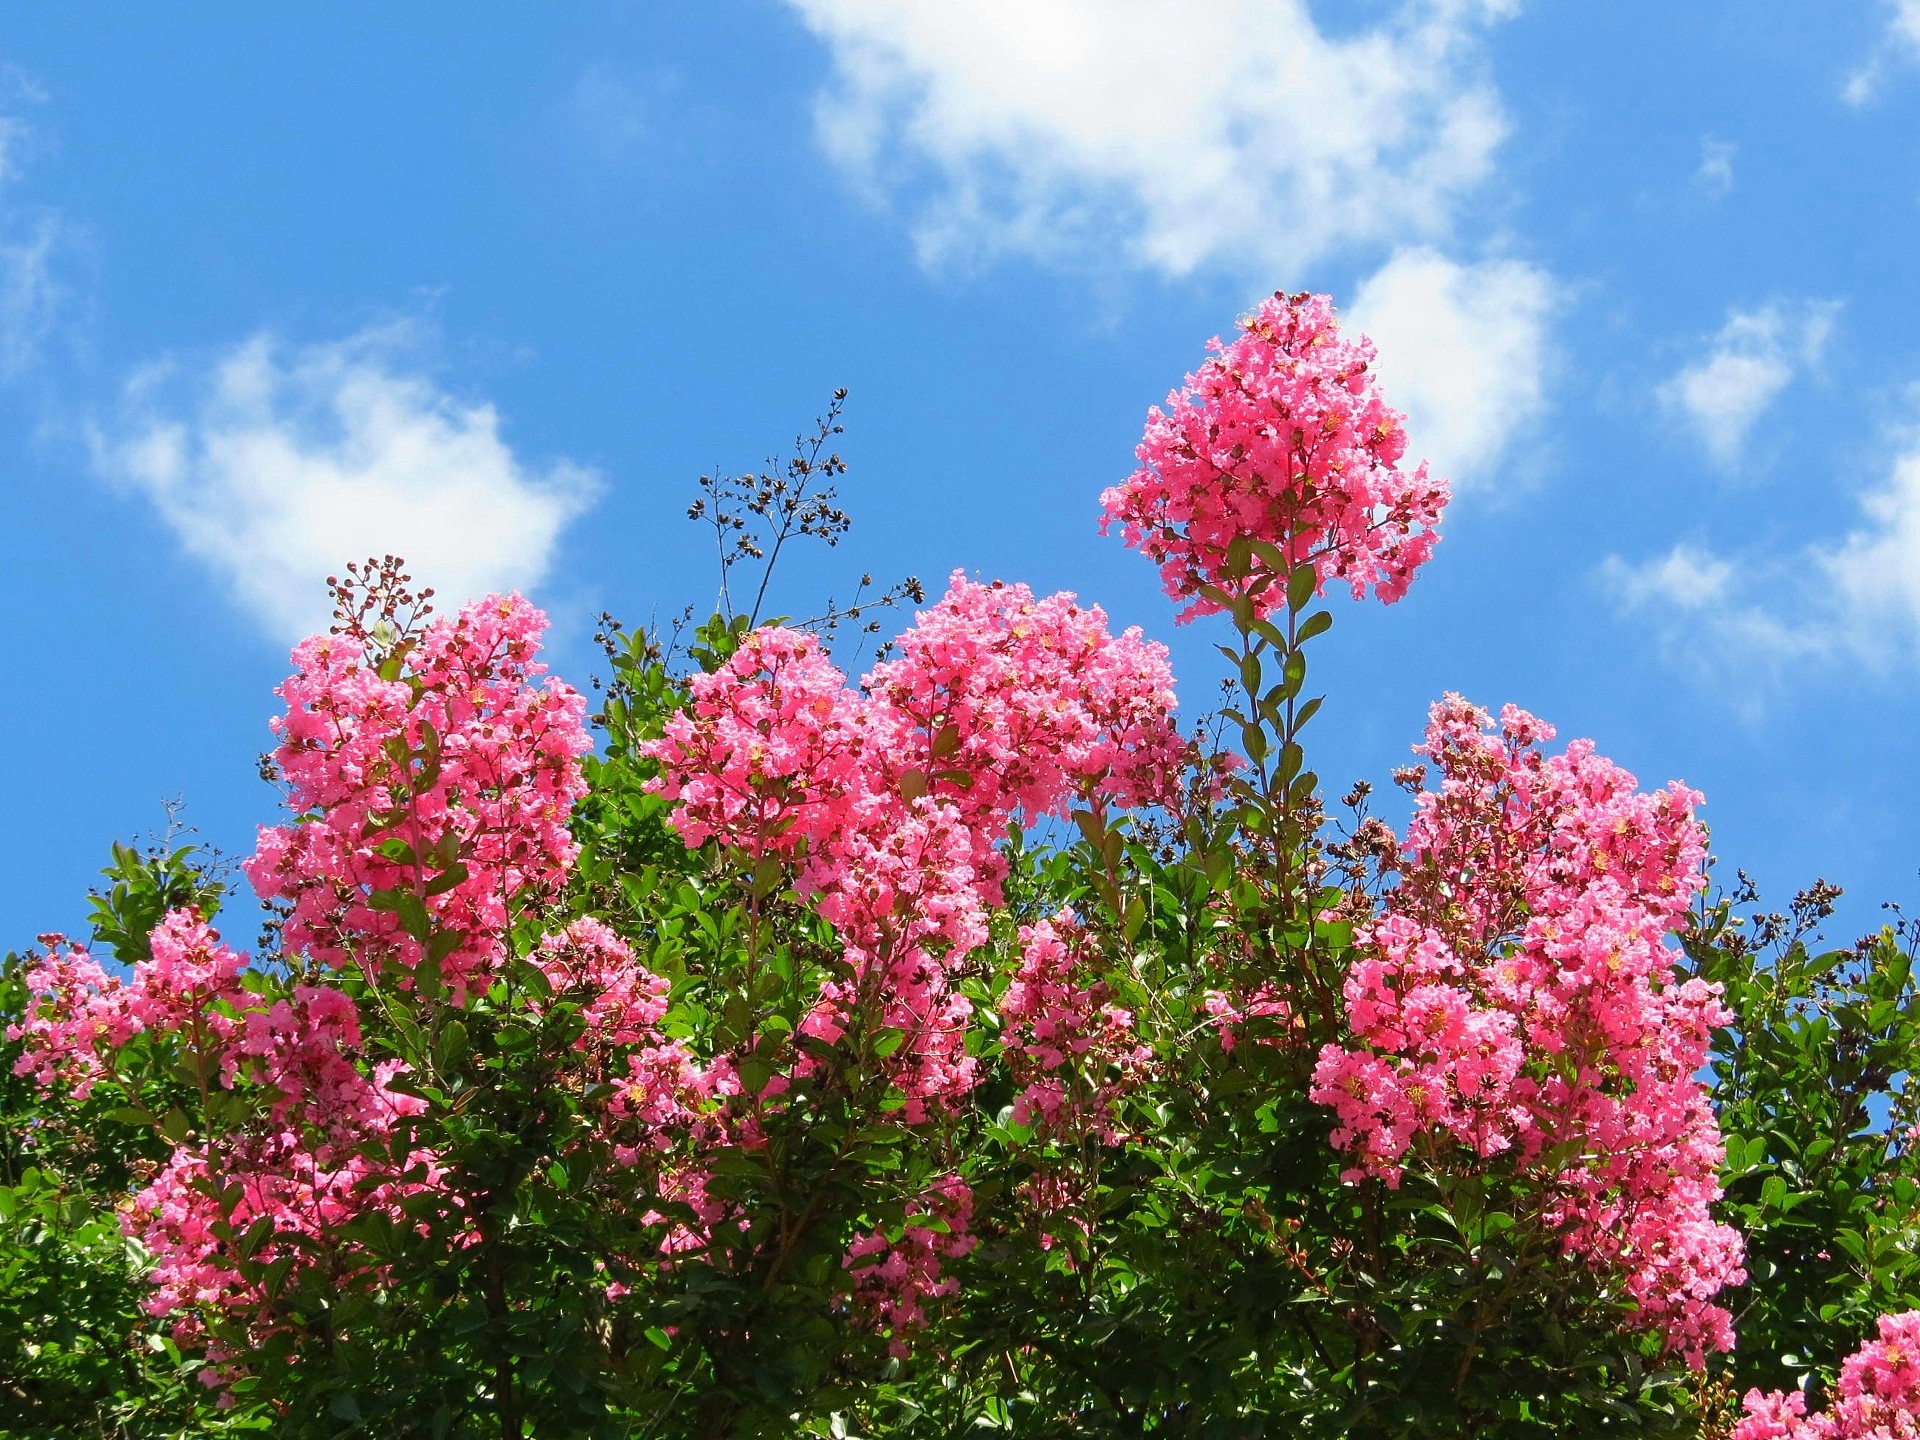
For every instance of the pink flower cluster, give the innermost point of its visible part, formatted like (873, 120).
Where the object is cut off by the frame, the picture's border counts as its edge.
(75, 1018)
(890, 802)
(1257, 1002)
(297, 1168)
(449, 784)
(294, 1190)
(187, 980)
(1011, 705)
(769, 751)
(1073, 1052)
(1878, 1395)
(778, 758)
(439, 772)
(302, 1049)
(900, 888)
(663, 1107)
(620, 1000)
(894, 1279)
(664, 1116)
(1280, 437)
(79, 1016)
(1518, 998)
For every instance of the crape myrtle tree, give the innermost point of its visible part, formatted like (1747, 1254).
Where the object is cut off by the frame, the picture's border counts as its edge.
(969, 1048)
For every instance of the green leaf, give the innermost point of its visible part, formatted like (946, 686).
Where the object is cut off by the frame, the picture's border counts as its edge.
(453, 1047)
(397, 850)
(1090, 827)
(257, 1234)
(767, 875)
(1291, 758)
(414, 918)
(1253, 739)
(755, 1071)
(444, 943)
(1301, 584)
(453, 875)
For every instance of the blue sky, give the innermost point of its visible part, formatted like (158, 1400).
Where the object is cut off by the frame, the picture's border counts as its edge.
(492, 286)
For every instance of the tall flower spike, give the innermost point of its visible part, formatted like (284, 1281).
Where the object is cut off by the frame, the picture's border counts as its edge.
(449, 785)
(998, 703)
(72, 1007)
(1074, 1052)
(1518, 994)
(1878, 1396)
(893, 1281)
(1281, 437)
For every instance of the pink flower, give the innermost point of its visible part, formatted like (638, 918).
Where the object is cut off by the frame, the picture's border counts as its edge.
(1518, 998)
(890, 803)
(893, 1280)
(78, 1015)
(1878, 1399)
(194, 1215)
(767, 752)
(447, 787)
(192, 982)
(620, 1000)
(75, 1012)
(1074, 1052)
(1282, 439)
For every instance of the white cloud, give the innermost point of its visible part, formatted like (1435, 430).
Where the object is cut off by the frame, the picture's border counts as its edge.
(1761, 610)
(30, 238)
(14, 132)
(1749, 363)
(1899, 43)
(1686, 578)
(19, 92)
(29, 295)
(1462, 349)
(1715, 175)
(1875, 571)
(1166, 133)
(282, 463)
(1721, 621)
(606, 112)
